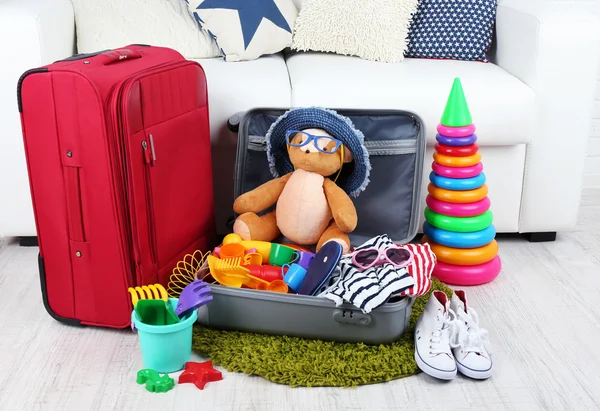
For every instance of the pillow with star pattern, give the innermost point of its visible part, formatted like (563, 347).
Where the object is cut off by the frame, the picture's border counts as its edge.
(452, 29)
(246, 30)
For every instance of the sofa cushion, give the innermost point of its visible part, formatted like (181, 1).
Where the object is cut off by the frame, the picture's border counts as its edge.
(232, 88)
(501, 105)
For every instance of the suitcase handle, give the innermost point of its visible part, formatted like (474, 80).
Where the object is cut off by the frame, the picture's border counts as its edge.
(233, 123)
(81, 56)
(114, 56)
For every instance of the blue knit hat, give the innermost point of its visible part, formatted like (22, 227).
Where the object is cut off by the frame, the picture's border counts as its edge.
(336, 125)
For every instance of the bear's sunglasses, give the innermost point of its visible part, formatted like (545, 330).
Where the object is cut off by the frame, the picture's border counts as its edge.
(320, 142)
(369, 257)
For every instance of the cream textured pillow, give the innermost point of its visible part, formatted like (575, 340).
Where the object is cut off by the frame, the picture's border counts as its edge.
(371, 29)
(108, 24)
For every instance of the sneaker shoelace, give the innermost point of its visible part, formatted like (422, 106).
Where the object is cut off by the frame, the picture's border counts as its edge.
(469, 336)
(442, 335)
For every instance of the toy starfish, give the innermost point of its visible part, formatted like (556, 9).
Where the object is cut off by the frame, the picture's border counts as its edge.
(199, 373)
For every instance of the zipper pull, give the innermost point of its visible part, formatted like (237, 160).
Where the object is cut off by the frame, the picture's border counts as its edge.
(147, 158)
(152, 150)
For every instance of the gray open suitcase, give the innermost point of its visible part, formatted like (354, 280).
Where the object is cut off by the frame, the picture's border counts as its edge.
(390, 205)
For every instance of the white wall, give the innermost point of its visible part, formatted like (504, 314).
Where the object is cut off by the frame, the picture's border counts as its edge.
(592, 162)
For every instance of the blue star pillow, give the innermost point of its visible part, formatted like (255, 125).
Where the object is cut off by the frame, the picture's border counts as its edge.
(452, 29)
(246, 29)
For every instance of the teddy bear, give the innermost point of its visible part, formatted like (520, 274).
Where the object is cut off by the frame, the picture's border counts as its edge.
(307, 149)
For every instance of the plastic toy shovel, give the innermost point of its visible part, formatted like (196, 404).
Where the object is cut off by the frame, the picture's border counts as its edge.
(155, 312)
(193, 296)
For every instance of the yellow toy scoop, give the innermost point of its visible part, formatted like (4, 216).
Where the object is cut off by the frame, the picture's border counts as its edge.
(228, 272)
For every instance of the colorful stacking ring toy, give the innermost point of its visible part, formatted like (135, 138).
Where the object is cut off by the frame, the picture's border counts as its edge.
(459, 240)
(457, 161)
(467, 274)
(456, 131)
(456, 141)
(463, 256)
(451, 196)
(459, 224)
(457, 183)
(457, 209)
(457, 172)
(457, 151)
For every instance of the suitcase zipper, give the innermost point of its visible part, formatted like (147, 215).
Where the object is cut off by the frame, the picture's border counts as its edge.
(257, 143)
(149, 158)
(120, 173)
(391, 147)
(374, 147)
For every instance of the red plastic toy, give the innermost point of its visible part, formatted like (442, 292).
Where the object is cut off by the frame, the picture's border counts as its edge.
(268, 273)
(199, 373)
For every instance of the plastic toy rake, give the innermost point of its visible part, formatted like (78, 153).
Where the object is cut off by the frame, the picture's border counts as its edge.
(195, 295)
(148, 292)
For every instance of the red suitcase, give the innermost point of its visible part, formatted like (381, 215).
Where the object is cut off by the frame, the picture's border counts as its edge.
(118, 155)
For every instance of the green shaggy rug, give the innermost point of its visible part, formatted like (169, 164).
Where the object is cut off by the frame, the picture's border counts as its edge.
(309, 363)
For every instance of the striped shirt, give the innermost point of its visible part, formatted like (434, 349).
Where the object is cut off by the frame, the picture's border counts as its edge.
(420, 269)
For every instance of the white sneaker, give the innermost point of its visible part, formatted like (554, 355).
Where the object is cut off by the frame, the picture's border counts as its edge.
(432, 338)
(471, 346)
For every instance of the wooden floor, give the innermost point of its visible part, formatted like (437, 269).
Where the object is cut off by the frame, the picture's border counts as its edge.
(543, 315)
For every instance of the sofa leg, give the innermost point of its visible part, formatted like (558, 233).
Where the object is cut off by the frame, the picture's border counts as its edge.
(540, 237)
(28, 241)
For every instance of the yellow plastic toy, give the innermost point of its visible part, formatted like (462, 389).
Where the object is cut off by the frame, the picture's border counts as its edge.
(228, 272)
(450, 161)
(148, 292)
(262, 247)
(231, 273)
(253, 259)
(458, 196)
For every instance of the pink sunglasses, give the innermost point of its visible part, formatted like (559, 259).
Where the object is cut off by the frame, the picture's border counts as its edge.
(369, 257)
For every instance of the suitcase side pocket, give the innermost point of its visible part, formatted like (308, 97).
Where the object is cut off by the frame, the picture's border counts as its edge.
(72, 176)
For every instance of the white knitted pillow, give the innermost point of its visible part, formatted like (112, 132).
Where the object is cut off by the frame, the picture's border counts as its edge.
(370, 29)
(108, 24)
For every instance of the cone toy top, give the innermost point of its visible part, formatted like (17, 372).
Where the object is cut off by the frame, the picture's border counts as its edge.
(456, 113)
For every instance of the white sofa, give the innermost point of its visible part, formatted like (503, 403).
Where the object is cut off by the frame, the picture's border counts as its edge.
(532, 105)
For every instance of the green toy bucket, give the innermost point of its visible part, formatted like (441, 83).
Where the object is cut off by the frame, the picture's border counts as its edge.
(166, 348)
